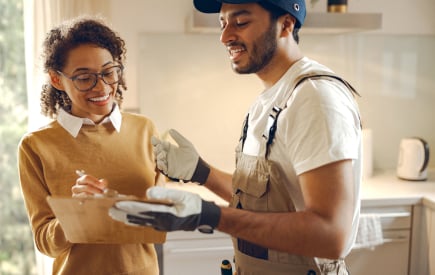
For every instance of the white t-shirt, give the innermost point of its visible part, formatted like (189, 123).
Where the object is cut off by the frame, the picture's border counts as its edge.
(320, 125)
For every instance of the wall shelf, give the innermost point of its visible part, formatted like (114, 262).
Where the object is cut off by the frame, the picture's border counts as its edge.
(336, 23)
(315, 23)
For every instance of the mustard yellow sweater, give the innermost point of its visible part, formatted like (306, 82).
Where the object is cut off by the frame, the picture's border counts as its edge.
(48, 159)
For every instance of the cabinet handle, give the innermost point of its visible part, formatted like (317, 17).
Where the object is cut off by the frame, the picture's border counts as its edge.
(200, 249)
(390, 215)
(396, 240)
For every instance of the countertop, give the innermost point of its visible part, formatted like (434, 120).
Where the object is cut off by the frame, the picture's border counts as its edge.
(382, 189)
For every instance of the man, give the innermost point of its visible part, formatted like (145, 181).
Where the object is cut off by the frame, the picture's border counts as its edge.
(294, 196)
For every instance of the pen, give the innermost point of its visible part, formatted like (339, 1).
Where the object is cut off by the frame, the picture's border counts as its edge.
(80, 173)
(107, 192)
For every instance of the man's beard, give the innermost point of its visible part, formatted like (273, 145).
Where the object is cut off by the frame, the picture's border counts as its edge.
(263, 50)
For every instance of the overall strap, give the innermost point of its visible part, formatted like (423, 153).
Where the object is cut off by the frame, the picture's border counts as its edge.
(270, 129)
(304, 77)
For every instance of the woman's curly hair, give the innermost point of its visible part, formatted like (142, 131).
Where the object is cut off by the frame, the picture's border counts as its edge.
(66, 37)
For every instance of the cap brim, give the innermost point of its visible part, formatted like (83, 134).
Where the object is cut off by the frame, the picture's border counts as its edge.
(207, 6)
(214, 6)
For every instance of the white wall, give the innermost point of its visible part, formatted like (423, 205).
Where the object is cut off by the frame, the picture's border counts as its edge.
(184, 81)
(395, 76)
(132, 18)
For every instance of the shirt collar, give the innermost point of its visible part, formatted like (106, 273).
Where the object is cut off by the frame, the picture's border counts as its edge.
(73, 124)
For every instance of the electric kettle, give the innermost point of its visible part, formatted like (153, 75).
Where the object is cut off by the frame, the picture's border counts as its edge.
(413, 159)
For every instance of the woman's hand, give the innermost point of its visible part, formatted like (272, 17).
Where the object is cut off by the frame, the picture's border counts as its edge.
(88, 185)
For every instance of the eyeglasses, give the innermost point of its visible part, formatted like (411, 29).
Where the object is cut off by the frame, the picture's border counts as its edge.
(86, 81)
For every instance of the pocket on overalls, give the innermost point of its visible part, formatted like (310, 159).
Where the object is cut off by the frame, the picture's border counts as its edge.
(251, 191)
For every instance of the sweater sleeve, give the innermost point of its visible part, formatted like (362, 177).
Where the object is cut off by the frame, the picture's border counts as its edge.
(47, 232)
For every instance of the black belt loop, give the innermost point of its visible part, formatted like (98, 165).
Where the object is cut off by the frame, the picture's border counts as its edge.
(244, 133)
(270, 130)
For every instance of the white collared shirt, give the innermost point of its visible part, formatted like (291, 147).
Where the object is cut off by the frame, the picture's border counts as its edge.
(73, 124)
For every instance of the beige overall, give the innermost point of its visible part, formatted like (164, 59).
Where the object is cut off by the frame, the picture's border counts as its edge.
(258, 186)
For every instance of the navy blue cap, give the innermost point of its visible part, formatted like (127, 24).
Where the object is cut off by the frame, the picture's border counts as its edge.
(295, 7)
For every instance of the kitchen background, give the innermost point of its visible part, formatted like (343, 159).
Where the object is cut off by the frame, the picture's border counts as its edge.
(183, 79)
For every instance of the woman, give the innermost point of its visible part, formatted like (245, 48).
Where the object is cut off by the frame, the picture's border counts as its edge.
(84, 61)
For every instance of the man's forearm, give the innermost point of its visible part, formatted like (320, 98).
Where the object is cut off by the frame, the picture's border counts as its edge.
(301, 233)
(220, 183)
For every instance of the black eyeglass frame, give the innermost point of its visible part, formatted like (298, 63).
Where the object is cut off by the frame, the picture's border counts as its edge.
(97, 75)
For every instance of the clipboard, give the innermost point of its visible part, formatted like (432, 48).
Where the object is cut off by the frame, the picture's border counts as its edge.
(86, 220)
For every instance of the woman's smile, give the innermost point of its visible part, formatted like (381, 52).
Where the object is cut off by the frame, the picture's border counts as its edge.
(101, 100)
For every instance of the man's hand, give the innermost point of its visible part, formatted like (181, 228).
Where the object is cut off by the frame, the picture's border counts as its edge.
(180, 162)
(188, 212)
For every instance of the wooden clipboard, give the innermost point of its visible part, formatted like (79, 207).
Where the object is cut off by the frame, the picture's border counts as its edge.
(86, 220)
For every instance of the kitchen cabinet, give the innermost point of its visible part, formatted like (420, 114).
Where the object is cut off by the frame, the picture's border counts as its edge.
(422, 253)
(431, 234)
(391, 257)
(195, 253)
(432, 244)
(384, 188)
(406, 208)
(419, 241)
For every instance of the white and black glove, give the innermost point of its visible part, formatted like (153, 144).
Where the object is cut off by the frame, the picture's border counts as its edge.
(187, 212)
(180, 162)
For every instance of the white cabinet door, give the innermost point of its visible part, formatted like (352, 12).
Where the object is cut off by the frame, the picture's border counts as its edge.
(392, 257)
(389, 258)
(192, 253)
(431, 234)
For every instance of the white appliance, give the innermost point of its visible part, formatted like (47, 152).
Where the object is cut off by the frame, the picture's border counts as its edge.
(393, 255)
(413, 159)
(195, 253)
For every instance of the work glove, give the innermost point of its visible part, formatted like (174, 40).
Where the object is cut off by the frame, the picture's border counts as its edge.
(187, 211)
(180, 162)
